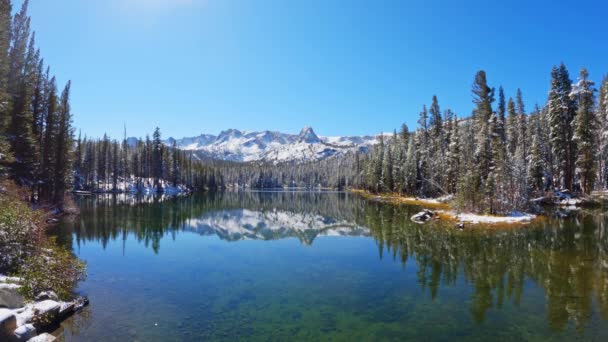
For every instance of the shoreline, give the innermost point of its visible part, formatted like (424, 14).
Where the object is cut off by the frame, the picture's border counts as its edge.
(445, 211)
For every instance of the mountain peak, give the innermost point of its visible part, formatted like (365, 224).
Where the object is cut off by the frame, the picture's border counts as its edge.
(271, 146)
(307, 135)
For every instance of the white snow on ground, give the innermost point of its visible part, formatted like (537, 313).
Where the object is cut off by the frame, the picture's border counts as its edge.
(141, 185)
(514, 217)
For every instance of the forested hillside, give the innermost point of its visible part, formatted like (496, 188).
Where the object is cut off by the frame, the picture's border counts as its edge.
(500, 157)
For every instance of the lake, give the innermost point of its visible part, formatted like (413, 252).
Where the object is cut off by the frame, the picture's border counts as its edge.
(279, 266)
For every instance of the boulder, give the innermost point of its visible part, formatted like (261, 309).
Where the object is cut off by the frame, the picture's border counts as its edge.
(423, 216)
(8, 324)
(46, 337)
(9, 296)
(66, 310)
(46, 295)
(80, 303)
(24, 332)
(45, 313)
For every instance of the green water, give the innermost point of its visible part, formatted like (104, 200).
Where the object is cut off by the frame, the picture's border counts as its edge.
(328, 266)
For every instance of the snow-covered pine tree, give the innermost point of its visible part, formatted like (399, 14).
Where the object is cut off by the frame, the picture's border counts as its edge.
(512, 128)
(585, 131)
(454, 157)
(501, 112)
(422, 149)
(483, 96)
(411, 167)
(535, 162)
(602, 115)
(561, 113)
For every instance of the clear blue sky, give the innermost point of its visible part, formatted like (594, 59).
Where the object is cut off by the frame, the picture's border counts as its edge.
(343, 67)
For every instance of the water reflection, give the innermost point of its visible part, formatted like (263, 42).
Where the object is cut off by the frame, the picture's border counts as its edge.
(567, 259)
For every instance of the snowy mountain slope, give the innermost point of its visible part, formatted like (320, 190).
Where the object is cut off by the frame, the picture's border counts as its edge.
(235, 145)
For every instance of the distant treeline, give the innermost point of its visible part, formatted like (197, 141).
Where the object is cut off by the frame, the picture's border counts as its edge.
(109, 165)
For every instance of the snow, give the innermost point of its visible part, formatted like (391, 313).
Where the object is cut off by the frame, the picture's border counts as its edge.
(242, 146)
(514, 217)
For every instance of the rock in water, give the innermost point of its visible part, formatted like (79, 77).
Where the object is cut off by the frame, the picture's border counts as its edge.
(423, 216)
(8, 324)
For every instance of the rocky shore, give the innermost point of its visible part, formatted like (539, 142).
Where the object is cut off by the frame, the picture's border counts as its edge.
(31, 321)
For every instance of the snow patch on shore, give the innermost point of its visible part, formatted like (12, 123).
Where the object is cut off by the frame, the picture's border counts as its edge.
(514, 217)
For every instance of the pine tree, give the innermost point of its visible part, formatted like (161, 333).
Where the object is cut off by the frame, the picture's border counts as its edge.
(411, 167)
(483, 96)
(500, 127)
(585, 130)
(561, 115)
(20, 132)
(64, 143)
(512, 128)
(49, 146)
(535, 164)
(422, 148)
(157, 158)
(5, 110)
(454, 157)
(387, 170)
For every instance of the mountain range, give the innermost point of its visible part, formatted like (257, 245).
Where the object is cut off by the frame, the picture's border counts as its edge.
(269, 146)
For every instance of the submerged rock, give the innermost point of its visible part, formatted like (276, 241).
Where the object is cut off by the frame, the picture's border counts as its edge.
(423, 216)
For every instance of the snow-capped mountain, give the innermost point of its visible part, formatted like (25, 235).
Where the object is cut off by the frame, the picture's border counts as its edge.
(241, 146)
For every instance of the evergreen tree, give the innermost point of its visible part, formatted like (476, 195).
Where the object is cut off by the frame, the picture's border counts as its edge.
(535, 164)
(20, 132)
(157, 158)
(483, 96)
(500, 127)
(585, 130)
(561, 114)
(63, 152)
(512, 128)
(5, 110)
(454, 157)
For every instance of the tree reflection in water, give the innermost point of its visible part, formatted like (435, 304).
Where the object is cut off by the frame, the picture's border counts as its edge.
(566, 258)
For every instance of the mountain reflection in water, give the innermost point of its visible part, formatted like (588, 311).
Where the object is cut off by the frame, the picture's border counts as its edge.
(567, 259)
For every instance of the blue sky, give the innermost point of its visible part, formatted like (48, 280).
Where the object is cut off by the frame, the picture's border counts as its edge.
(343, 67)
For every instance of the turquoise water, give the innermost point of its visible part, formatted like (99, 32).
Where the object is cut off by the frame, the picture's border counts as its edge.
(328, 266)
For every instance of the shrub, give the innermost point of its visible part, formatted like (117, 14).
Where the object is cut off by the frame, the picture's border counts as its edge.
(19, 233)
(54, 269)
